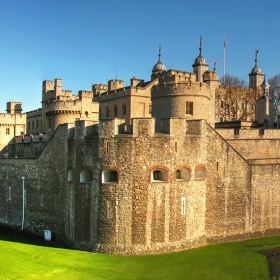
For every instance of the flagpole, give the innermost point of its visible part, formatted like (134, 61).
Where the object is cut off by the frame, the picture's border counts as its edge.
(224, 58)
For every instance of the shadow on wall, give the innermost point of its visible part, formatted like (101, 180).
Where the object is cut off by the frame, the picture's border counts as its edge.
(14, 235)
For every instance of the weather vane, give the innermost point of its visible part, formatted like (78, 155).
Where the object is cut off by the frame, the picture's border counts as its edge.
(256, 55)
(200, 44)
(159, 50)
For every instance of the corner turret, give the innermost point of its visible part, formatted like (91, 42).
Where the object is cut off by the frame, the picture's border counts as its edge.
(200, 65)
(256, 75)
(159, 66)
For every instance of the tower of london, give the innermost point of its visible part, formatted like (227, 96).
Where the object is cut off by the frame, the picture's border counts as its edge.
(157, 166)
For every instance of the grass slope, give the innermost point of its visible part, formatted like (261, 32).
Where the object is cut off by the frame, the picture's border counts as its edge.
(238, 260)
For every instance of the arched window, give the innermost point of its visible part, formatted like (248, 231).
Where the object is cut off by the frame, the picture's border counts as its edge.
(183, 174)
(85, 176)
(110, 176)
(70, 175)
(159, 175)
(200, 173)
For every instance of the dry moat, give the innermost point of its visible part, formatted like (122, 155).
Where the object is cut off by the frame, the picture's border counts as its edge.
(272, 255)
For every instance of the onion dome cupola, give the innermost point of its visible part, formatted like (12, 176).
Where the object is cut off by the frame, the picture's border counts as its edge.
(159, 66)
(255, 77)
(200, 65)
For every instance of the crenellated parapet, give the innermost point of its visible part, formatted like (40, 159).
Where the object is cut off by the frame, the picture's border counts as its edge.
(187, 88)
(174, 76)
(99, 88)
(34, 113)
(63, 105)
(85, 94)
(12, 119)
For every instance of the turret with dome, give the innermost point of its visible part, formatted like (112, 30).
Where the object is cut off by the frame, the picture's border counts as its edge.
(159, 66)
(256, 75)
(200, 65)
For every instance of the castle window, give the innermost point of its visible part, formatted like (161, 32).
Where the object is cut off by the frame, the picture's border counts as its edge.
(236, 131)
(159, 175)
(243, 106)
(7, 130)
(252, 106)
(115, 110)
(150, 109)
(70, 175)
(176, 147)
(86, 113)
(124, 109)
(183, 174)
(183, 206)
(189, 108)
(222, 104)
(200, 173)
(85, 176)
(221, 119)
(107, 111)
(110, 176)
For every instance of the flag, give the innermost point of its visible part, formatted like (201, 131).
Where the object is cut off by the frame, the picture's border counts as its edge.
(225, 42)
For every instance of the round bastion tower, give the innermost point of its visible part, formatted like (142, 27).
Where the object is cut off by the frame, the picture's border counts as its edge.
(181, 94)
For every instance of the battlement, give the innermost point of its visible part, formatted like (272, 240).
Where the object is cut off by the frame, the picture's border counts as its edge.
(14, 107)
(99, 88)
(210, 75)
(188, 88)
(47, 85)
(174, 76)
(250, 134)
(83, 94)
(53, 90)
(8, 118)
(62, 105)
(115, 84)
(34, 113)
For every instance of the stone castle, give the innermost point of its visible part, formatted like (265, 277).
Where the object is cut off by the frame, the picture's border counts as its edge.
(148, 168)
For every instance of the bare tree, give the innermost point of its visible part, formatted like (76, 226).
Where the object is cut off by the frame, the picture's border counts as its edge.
(274, 91)
(233, 81)
(235, 100)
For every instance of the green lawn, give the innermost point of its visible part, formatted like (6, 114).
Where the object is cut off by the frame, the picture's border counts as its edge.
(238, 260)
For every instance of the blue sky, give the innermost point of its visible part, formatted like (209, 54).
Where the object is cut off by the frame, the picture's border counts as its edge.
(84, 42)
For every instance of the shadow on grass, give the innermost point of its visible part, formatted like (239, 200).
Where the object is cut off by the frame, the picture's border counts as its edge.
(16, 235)
(273, 262)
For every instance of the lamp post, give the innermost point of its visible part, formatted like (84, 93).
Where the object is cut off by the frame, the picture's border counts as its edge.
(23, 201)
